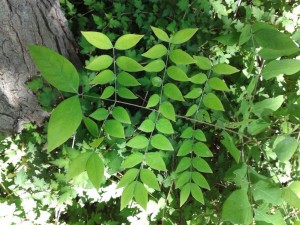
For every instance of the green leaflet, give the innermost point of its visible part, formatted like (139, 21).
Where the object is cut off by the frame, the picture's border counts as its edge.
(114, 128)
(147, 126)
(141, 195)
(179, 56)
(121, 114)
(55, 68)
(187, 133)
(200, 180)
(185, 148)
(157, 51)
(237, 209)
(183, 35)
(132, 160)
(202, 150)
(217, 84)
(224, 69)
(164, 126)
(177, 74)
(128, 177)
(127, 41)
(285, 148)
(197, 193)
(138, 142)
(173, 92)
(199, 135)
(95, 170)
(78, 165)
(267, 106)
(127, 194)
(199, 78)
(192, 110)
(230, 146)
(128, 64)
(107, 92)
(97, 39)
(155, 161)
(160, 34)
(160, 142)
(277, 67)
(201, 165)
(202, 62)
(126, 93)
(167, 110)
(64, 121)
(100, 114)
(183, 164)
(149, 178)
(211, 101)
(185, 193)
(91, 126)
(183, 178)
(127, 80)
(194, 93)
(155, 66)
(100, 63)
(104, 77)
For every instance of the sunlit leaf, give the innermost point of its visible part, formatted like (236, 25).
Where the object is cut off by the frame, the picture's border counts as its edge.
(179, 56)
(173, 92)
(95, 170)
(157, 51)
(160, 34)
(121, 114)
(104, 77)
(55, 68)
(211, 101)
(167, 110)
(127, 80)
(155, 161)
(177, 74)
(160, 142)
(128, 64)
(127, 41)
(64, 121)
(100, 63)
(138, 141)
(97, 39)
(132, 160)
(183, 35)
(114, 128)
(149, 178)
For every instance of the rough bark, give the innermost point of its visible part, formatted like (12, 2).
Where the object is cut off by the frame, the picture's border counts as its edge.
(25, 22)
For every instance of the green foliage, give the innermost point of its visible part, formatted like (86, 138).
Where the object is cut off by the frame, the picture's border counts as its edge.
(181, 136)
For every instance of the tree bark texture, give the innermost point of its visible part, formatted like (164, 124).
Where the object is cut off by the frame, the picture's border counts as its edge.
(25, 22)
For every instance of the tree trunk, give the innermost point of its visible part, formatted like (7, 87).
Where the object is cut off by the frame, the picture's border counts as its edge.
(24, 22)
